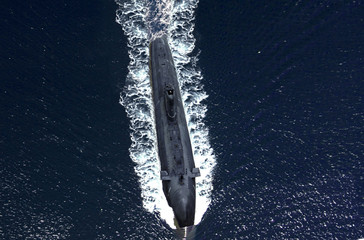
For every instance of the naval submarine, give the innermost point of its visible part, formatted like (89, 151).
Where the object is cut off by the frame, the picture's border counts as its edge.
(178, 171)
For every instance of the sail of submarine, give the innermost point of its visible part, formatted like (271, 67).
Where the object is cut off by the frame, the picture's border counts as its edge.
(178, 171)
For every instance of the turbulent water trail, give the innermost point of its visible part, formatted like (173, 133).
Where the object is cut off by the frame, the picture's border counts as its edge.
(141, 22)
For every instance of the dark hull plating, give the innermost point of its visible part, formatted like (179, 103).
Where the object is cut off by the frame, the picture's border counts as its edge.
(178, 170)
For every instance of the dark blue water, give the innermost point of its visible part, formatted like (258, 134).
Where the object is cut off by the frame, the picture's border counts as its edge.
(285, 81)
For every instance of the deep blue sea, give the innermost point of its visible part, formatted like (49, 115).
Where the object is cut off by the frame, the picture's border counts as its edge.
(285, 119)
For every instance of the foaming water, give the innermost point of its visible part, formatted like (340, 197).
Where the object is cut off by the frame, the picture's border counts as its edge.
(141, 22)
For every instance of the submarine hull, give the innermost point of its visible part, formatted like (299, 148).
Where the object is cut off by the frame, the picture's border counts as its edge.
(178, 169)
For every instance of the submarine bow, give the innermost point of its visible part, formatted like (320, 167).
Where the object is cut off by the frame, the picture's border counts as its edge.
(178, 169)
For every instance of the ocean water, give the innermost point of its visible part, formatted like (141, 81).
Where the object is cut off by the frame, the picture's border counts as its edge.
(276, 114)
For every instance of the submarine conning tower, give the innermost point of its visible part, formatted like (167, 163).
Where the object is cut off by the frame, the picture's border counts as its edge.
(178, 171)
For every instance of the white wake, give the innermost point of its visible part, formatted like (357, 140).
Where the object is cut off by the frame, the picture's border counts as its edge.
(143, 20)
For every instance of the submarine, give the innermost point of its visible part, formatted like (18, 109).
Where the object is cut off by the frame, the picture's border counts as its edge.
(178, 171)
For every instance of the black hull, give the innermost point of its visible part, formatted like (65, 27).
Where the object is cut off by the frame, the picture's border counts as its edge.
(178, 170)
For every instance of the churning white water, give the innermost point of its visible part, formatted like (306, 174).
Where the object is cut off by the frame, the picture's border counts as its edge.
(143, 20)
